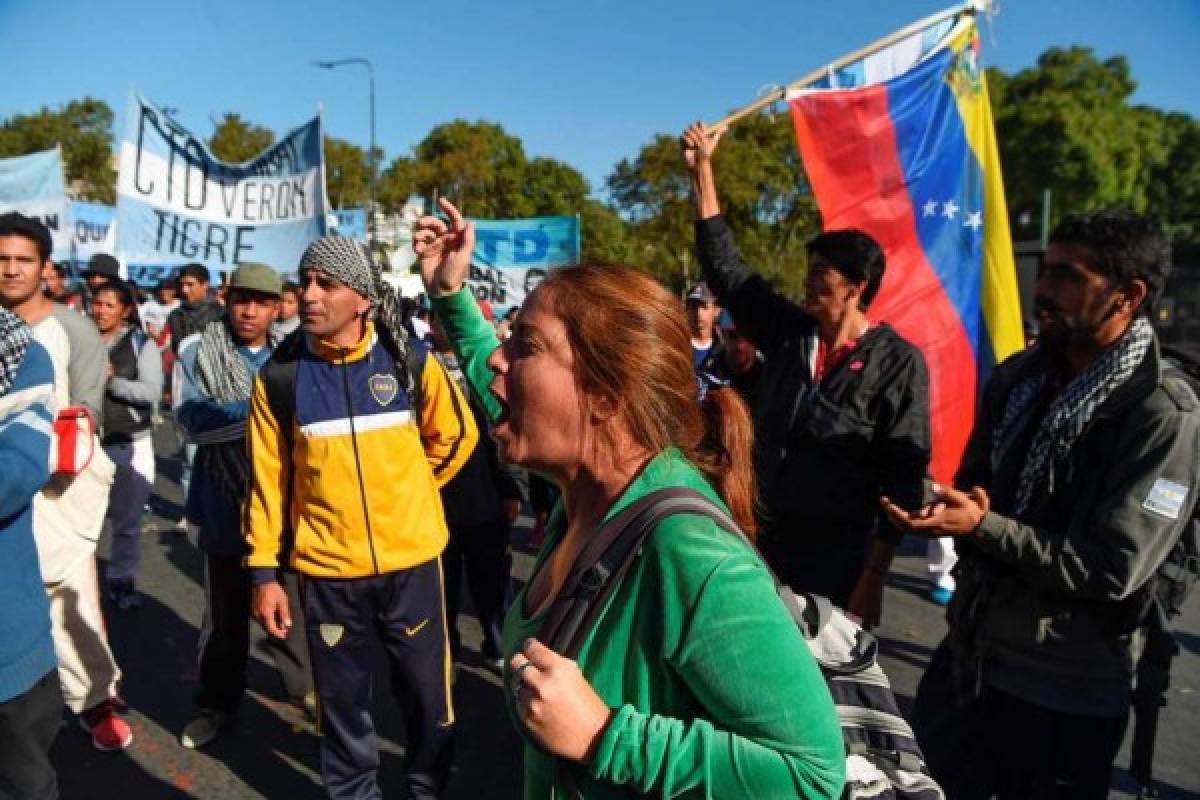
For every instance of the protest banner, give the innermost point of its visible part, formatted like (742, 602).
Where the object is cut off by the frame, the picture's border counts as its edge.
(512, 256)
(351, 223)
(178, 203)
(34, 185)
(92, 230)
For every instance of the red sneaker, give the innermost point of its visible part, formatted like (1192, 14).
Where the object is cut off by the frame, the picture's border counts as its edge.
(108, 730)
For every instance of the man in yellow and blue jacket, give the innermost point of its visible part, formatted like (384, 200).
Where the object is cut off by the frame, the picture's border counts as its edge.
(352, 432)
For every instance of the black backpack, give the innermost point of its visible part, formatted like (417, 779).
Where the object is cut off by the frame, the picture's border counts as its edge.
(1176, 578)
(1166, 593)
(881, 749)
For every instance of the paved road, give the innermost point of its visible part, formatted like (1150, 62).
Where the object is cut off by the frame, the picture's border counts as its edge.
(269, 753)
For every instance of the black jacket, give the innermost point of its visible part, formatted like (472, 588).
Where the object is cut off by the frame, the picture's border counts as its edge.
(712, 367)
(183, 321)
(824, 453)
(1059, 590)
(475, 495)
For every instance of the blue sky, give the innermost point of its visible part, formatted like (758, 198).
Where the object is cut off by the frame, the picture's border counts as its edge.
(584, 82)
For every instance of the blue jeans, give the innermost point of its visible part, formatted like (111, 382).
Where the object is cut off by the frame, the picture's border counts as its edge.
(126, 501)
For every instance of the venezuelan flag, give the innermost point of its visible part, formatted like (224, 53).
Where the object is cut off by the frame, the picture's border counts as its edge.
(912, 161)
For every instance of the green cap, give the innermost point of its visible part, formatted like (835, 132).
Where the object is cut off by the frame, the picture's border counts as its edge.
(256, 278)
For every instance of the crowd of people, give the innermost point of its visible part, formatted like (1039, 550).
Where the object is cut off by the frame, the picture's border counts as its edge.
(352, 459)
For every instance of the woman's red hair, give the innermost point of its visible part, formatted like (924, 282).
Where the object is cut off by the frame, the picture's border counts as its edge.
(631, 344)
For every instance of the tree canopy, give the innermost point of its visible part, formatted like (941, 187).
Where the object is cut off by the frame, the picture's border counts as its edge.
(1065, 124)
(234, 139)
(763, 191)
(84, 129)
(485, 171)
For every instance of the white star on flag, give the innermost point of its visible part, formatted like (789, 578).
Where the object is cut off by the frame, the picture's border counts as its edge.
(974, 220)
(929, 209)
(949, 209)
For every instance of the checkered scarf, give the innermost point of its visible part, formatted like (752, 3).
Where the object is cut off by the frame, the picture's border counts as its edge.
(221, 374)
(1070, 412)
(351, 263)
(14, 340)
(220, 370)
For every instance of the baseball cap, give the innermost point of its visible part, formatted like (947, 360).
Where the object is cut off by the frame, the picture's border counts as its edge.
(700, 293)
(103, 264)
(255, 277)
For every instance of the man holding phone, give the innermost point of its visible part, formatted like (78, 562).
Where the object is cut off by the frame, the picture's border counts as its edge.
(1078, 479)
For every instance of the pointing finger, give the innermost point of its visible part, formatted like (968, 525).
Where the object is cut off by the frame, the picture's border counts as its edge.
(431, 224)
(456, 218)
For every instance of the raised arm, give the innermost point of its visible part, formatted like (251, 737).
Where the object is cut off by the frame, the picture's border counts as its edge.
(762, 315)
(444, 250)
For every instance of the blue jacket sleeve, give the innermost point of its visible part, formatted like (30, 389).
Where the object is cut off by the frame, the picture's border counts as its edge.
(26, 412)
(196, 412)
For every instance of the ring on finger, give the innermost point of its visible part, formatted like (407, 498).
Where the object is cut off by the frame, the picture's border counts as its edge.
(518, 676)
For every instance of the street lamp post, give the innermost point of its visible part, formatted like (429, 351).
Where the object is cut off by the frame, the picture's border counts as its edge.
(370, 153)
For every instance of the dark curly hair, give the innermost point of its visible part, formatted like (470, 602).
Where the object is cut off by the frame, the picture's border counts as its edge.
(15, 223)
(1121, 245)
(197, 271)
(854, 254)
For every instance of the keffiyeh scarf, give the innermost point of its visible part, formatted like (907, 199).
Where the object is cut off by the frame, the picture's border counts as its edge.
(1070, 412)
(220, 370)
(349, 262)
(14, 341)
(221, 374)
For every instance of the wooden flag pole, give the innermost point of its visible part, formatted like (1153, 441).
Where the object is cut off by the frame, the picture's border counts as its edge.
(970, 7)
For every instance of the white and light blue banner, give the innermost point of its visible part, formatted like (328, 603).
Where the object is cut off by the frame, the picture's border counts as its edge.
(351, 223)
(512, 256)
(92, 229)
(34, 186)
(177, 203)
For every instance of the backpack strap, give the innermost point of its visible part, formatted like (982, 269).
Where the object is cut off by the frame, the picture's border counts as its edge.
(279, 381)
(610, 553)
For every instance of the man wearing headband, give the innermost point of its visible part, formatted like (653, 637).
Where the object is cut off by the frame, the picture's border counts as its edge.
(352, 432)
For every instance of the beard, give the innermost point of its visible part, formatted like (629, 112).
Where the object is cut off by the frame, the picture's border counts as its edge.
(1058, 332)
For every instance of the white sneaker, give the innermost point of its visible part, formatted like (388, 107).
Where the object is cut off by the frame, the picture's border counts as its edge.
(204, 726)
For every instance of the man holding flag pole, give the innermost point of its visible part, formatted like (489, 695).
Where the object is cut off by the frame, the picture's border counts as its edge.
(897, 142)
(845, 415)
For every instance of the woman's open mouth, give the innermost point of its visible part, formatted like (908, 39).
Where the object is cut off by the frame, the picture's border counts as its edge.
(502, 417)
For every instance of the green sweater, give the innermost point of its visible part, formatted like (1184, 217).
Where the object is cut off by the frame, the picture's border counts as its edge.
(714, 689)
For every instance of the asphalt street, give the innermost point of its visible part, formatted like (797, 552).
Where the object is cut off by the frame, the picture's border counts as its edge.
(269, 752)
